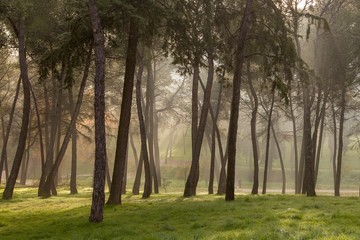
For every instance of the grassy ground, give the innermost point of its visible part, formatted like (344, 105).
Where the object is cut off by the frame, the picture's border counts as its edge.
(169, 216)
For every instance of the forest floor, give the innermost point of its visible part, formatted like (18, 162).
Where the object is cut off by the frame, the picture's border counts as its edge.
(170, 216)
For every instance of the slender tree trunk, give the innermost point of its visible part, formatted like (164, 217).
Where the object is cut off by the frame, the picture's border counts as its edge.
(137, 182)
(144, 152)
(156, 129)
(108, 178)
(123, 130)
(308, 182)
(296, 157)
(10, 184)
(194, 104)
(334, 154)
(255, 187)
(268, 142)
(41, 141)
(319, 145)
(7, 134)
(134, 149)
(283, 189)
(157, 148)
(98, 196)
(341, 141)
(150, 92)
(73, 185)
(3, 166)
(26, 157)
(234, 112)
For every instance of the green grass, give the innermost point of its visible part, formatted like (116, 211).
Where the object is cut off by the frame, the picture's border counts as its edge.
(169, 216)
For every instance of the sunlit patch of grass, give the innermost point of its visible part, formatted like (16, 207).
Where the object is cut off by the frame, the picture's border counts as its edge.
(170, 216)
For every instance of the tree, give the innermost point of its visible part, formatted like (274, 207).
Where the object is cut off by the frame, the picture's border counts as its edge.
(19, 30)
(98, 196)
(123, 130)
(234, 114)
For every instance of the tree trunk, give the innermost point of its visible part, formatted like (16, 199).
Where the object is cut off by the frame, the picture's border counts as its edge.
(41, 141)
(268, 142)
(108, 178)
(308, 182)
(334, 154)
(296, 157)
(98, 196)
(144, 152)
(26, 157)
(255, 187)
(341, 144)
(150, 99)
(156, 130)
(134, 149)
(136, 186)
(73, 187)
(234, 112)
(192, 180)
(319, 145)
(7, 134)
(123, 129)
(10, 184)
(281, 161)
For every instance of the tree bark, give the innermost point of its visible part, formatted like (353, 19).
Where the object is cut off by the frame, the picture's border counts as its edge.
(123, 130)
(234, 112)
(98, 196)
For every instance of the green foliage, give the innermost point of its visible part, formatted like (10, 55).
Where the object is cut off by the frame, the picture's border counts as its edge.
(169, 216)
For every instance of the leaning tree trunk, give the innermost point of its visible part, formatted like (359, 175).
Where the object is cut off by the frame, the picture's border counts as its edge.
(234, 111)
(7, 134)
(123, 130)
(268, 142)
(10, 184)
(98, 196)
